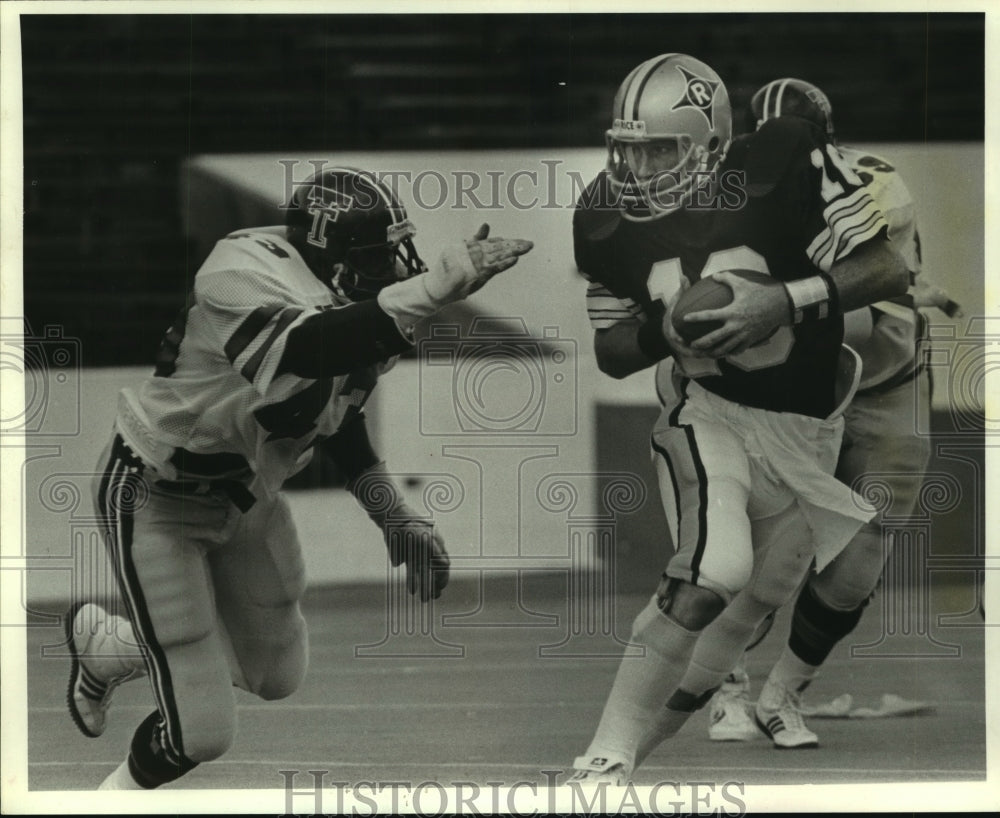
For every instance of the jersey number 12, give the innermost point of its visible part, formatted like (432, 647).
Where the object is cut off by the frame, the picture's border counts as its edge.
(665, 281)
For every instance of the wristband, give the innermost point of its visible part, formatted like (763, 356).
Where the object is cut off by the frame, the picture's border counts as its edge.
(652, 341)
(810, 298)
(408, 302)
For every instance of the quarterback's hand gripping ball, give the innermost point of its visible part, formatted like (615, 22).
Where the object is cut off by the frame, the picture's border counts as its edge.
(731, 311)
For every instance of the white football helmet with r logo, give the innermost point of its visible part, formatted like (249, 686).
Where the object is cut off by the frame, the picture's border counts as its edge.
(671, 127)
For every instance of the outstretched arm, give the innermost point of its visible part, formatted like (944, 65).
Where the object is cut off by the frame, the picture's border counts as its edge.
(341, 340)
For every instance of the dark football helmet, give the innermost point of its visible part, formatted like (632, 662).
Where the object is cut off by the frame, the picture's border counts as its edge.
(792, 97)
(352, 232)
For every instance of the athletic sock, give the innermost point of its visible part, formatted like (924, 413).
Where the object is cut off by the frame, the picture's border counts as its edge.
(643, 685)
(791, 672)
(150, 763)
(722, 647)
(120, 779)
(671, 718)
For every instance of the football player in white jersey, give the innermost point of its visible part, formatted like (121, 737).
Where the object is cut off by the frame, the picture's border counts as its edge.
(879, 438)
(282, 340)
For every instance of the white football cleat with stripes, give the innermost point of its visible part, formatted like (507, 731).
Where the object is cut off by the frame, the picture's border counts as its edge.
(730, 711)
(778, 714)
(89, 695)
(599, 770)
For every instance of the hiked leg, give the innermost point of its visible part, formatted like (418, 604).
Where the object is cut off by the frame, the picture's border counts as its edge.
(103, 648)
(259, 578)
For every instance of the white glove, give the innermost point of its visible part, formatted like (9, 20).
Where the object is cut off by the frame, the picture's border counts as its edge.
(411, 539)
(462, 269)
(926, 294)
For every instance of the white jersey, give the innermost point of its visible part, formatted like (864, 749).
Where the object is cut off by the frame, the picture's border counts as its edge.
(891, 347)
(216, 407)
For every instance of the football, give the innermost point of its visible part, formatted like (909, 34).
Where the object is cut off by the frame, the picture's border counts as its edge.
(706, 294)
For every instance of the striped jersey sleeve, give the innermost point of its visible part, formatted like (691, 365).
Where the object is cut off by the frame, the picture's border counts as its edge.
(605, 309)
(841, 214)
(250, 317)
(891, 195)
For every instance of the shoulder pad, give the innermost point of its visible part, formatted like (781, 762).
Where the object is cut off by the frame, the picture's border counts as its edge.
(882, 180)
(773, 149)
(261, 246)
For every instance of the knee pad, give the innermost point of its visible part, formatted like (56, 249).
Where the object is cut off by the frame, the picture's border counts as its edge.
(816, 628)
(274, 664)
(197, 704)
(211, 739)
(285, 668)
(688, 605)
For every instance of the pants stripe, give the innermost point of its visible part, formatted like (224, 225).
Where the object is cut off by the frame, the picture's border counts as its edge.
(673, 482)
(120, 521)
(702, 477)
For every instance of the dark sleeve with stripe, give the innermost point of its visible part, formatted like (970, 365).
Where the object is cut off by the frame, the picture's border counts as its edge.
(351, 449)
(341, 340)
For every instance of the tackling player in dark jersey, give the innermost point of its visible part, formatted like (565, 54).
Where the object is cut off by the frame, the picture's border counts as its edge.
(747, 441)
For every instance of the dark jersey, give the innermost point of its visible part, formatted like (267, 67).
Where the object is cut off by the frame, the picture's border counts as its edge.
(803, 209)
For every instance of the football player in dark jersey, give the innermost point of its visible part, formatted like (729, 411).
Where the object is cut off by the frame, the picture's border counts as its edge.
(879, 440)
(747, 441)
(282, 341)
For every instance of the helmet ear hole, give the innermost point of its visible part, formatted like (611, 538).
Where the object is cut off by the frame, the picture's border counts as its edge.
(713, 144)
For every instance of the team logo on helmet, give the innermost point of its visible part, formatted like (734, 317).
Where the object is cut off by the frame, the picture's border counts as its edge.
(324, 205)
(698, 93)
(818, 98)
